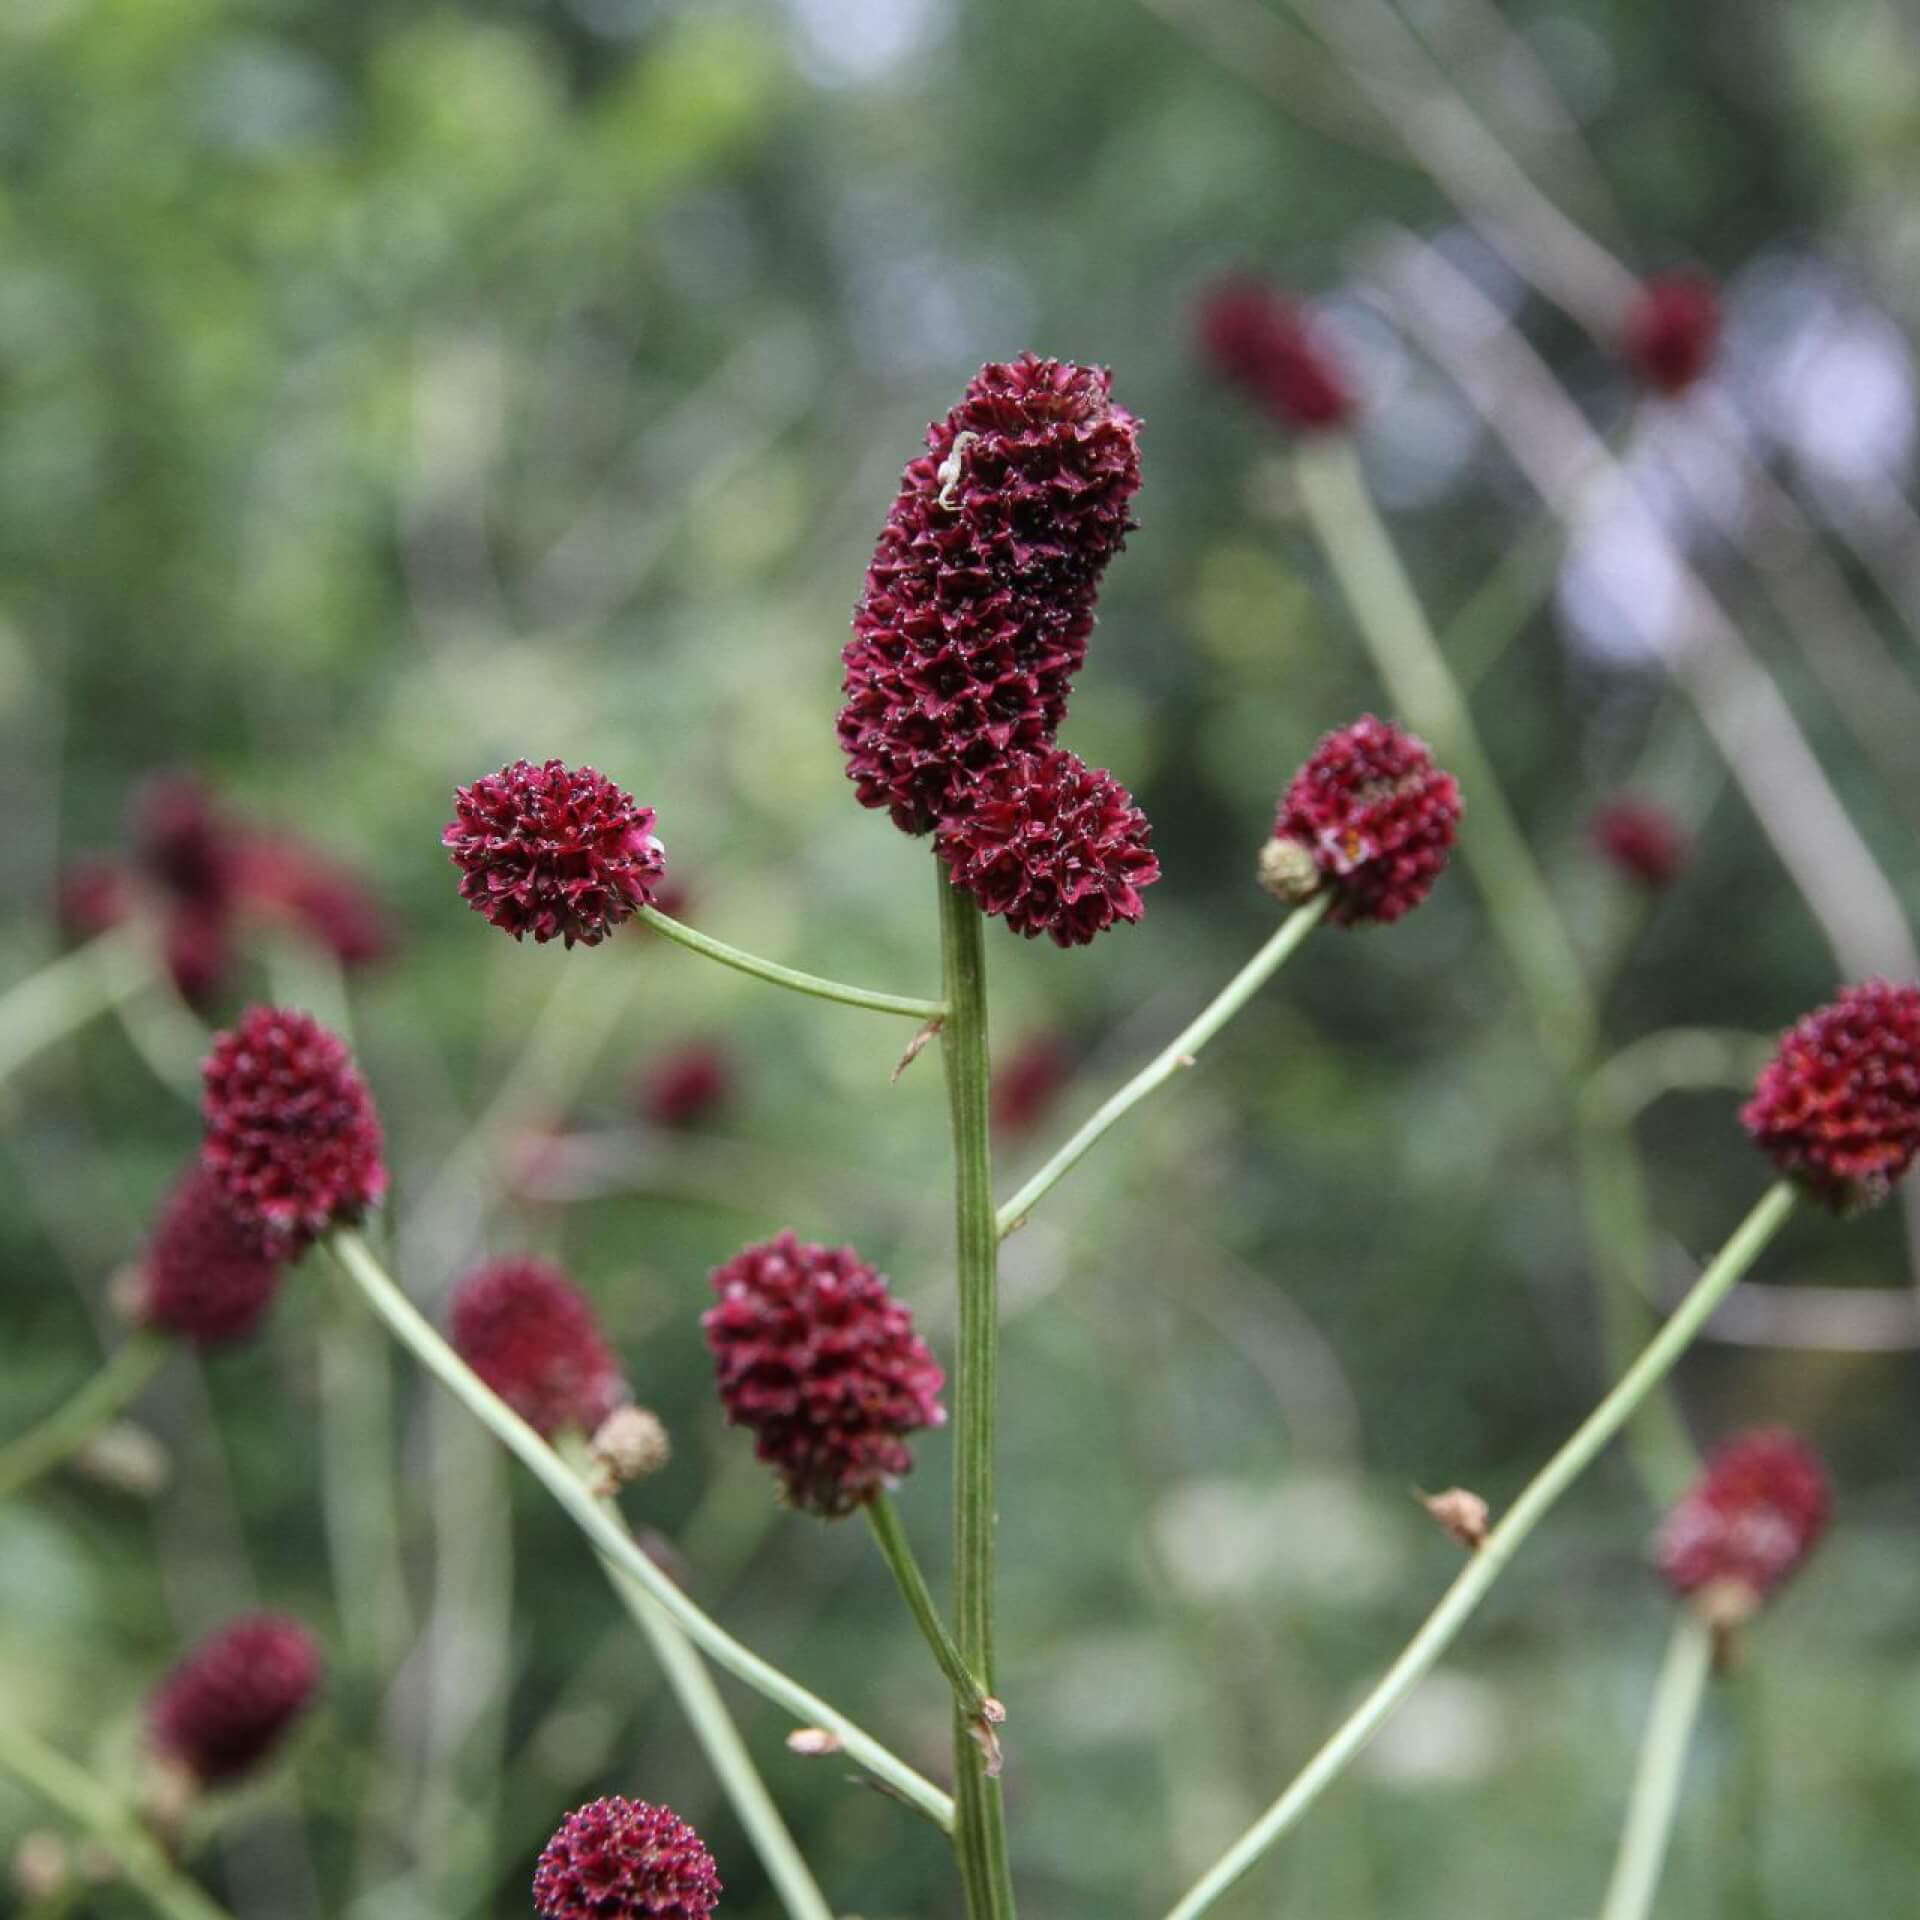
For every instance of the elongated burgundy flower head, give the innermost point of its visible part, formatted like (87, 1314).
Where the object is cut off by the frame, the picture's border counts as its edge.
(624, 1860)
(1837, 1108)
(1672, 330)
(817, 1357)
(1746, 1525)
(534, 1339)
(1369, 819)
(555, 851)
(1645, 842)
(292, 1140)
(980, 596)
(224, 1708)
(205, 1276)
(183, 843)
(1269, 347)
(686, 1086)
(1053, 845)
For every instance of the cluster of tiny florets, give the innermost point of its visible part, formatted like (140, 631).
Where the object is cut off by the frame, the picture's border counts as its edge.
(533, 1338)
(822, 1363)
(621, 1859)
(205, 1276)
(1672, 330)
(1369, 820)
(1641, 840)
(1746, 1525)
(1837, 1108)
(1053, 845)
(980, 596)
(292, 1140)
(229, 1703)
(555, 851)
(1270, 348)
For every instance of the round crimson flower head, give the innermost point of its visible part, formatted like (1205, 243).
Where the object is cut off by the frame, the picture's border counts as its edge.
(1269, 347)
(1672, 330)
(1837, 1108)
(205, 1276)
(292, 1140)
(980, 597)
(555, 851)
(1746, 1525)
(224, 1708)
(817, 1357)
(534, 1339)
(1054, 845)
(1369, 819)
(686, 1086)
(1644, 841)
(624, 1860)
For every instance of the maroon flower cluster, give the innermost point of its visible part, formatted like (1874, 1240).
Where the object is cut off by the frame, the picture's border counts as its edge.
(1053, 845)
(202, 877)
(228, 1704)
(1672, 330)
(292, 1141)
(1268, 346)
(1369, 820)
(1644, 841)
(686, 1086)
(555, 851)
(1746, 1525)
(533, 1338)
(817, 1357)
(205, 1277)
(980, 596)
(1837, 1108)
(1027, 1082)
(625, 1860)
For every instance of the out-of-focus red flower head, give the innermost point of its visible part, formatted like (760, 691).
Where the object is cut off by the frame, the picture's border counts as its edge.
(284, 880)
(224, 1709)
(1369, 819)
(534, 1339)
(1837, 1108)
(1643, 841)
(292, 1140)
(1672, 330)
(1028, 1081)
(205, 1276)
(625, 1860)
(816, 1356)
(1053, 845)
(181, 841)
(1746, 1525)
(555, 851)
(1269, 347)
(198, 953)
(686, 1086)
(91, 897)
(980, 597)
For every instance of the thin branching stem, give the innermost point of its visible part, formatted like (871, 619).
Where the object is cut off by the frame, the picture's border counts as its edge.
(68, 1428)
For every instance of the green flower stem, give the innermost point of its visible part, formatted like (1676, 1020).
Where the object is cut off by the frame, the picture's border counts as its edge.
(68, 1429)
(1395, 628)
(1663, 1759)
(981, 1835)
(1460, 1601)
(88, 1804)
(1178, 1054)
(411, 1328)
(969, 1695)
(796, 982)
(712, 1724)
(66, 993)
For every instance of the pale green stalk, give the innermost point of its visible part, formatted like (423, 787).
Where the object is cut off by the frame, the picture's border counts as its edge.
(78, 1795)
(66, 1430)
(1462, 1599)
(796, 982)
(1663, 1759)
(1179, 1053)
(66, 993)
(412, 1329)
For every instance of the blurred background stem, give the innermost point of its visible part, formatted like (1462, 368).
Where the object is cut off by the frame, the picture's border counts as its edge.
(70, 1427)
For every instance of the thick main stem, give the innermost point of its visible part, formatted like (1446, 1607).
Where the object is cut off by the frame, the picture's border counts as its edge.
(67, 1429)
(1656, 1781)
(1458, 1604)
(980, 1833)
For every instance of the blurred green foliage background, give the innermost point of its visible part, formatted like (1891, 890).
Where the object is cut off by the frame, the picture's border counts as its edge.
(387, 391)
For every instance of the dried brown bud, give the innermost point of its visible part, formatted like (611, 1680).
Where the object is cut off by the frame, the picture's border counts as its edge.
(628, 1445)
(126, 1458)
(1464, 1515)
(1289, 871)
(41, 1868)
(814, 1743)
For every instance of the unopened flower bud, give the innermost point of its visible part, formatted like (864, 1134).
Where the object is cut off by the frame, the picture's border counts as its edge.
(41, 1867)
(126, 1458)
(629, 1444)
(1462, 1514)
